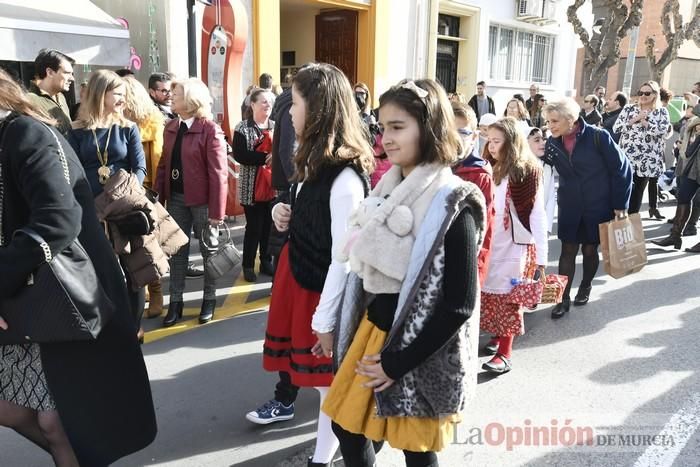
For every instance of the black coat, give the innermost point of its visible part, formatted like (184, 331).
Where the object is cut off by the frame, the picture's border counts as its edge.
(609, 119)
(100, 387)
(283, 142)
(474, 104)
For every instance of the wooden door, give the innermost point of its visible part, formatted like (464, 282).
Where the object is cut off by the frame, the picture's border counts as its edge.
(336, 40)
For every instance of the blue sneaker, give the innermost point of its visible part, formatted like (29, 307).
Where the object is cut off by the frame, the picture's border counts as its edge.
(270, 412)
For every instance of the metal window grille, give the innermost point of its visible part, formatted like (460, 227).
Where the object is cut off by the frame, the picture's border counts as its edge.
(522, 56)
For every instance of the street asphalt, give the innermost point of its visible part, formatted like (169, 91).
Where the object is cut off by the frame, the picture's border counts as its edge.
(619, 375)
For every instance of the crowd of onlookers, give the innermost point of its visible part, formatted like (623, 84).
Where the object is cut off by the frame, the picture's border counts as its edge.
(393, 235)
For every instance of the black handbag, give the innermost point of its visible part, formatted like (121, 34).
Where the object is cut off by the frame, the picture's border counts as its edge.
(62, 299)
(223, 255)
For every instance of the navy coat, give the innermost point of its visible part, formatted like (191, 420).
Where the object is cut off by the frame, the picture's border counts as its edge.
(593, 182)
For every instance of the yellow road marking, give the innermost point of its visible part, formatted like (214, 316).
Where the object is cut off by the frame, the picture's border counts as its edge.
(234, 305)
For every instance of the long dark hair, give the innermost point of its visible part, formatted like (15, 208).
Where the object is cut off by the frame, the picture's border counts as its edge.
(333, 132)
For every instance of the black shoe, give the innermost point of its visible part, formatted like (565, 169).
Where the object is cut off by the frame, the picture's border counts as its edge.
(249, 275)
(174, 314)
(655, 214)
(194, 271)
(491, 348)
(207, 312)
(266, 268)
(502, 367)
(311, 463)
(582, 296)
(690, 230)
(561, 308)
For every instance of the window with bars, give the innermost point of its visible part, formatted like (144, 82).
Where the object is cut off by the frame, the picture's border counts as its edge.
(517, 55)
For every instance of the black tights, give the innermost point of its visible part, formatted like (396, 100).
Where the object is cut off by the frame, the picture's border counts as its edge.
(358, 451)
(567, 263)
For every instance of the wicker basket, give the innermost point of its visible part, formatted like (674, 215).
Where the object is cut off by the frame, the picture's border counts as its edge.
(553, 291)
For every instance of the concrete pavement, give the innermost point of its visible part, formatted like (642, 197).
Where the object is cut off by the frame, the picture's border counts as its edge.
(623, 365)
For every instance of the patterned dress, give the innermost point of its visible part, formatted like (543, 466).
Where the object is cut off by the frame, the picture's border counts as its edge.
(22, 379)
(510, 260)
(644, 146)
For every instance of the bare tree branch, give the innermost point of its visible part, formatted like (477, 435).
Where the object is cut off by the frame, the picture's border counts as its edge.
(675, 33)
(602, 51)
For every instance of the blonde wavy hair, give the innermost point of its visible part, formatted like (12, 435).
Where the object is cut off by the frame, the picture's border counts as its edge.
(198, 100)
(92, 108)
(139, 107)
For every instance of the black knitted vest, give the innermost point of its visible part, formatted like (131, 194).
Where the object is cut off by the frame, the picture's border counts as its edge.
(310, 228)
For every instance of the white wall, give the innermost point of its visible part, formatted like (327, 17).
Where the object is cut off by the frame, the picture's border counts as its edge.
(403, 42)
(503, 12)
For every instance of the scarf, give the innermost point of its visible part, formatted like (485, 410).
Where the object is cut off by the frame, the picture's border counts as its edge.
(382, 251)
(523, 195)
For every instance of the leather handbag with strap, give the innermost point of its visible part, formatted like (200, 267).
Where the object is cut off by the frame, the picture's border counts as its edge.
(223, 254)
(62, 300)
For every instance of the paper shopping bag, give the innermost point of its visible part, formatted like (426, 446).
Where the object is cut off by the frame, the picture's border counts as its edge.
(623, 246)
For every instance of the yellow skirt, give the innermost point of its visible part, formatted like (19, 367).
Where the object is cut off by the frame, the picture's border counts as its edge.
(353, 407)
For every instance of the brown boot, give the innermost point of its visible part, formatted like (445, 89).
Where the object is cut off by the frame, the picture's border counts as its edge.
(675, 239)
(155, 304)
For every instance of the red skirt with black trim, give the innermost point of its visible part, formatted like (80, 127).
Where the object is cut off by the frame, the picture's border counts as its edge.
(288, 337)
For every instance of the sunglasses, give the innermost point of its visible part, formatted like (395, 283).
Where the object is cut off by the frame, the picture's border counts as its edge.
(587, 102)
(465, 132)
(645, 93)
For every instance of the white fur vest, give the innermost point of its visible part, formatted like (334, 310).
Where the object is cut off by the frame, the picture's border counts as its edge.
(442, 383)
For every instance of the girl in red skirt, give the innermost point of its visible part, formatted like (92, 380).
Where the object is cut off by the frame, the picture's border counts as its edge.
(519, 236)
(332, 165)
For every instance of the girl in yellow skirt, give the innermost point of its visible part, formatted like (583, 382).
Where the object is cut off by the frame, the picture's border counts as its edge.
(400, 343)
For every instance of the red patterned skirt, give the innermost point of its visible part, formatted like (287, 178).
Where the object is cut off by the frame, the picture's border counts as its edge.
(288, 337)
(499, 317)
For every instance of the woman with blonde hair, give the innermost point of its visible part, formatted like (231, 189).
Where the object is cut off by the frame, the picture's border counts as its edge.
(139, 108)
(105, 142)
(595, 182)
(643, 128)
(519, 247)
(192, 180)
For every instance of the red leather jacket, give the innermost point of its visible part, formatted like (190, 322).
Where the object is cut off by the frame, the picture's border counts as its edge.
(204, 165)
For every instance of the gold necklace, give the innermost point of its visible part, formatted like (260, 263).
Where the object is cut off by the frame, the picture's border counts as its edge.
(103, 171)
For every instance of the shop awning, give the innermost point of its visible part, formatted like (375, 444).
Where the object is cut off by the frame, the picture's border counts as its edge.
(77, 28)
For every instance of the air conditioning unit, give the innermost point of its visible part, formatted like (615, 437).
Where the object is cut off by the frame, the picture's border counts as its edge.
(539, 12)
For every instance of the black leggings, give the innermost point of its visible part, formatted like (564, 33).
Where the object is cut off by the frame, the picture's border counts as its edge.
(258, 221)
(640, 183)
(358, 451)
(567, 263)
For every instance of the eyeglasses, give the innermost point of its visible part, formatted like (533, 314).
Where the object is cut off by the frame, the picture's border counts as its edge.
(645, 93)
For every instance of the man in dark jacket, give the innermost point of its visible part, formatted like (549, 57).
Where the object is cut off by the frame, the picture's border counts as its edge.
(613, 107)
(283, 142)
(481, 103)
(589, 110)
(159, 88)
(53, 72)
